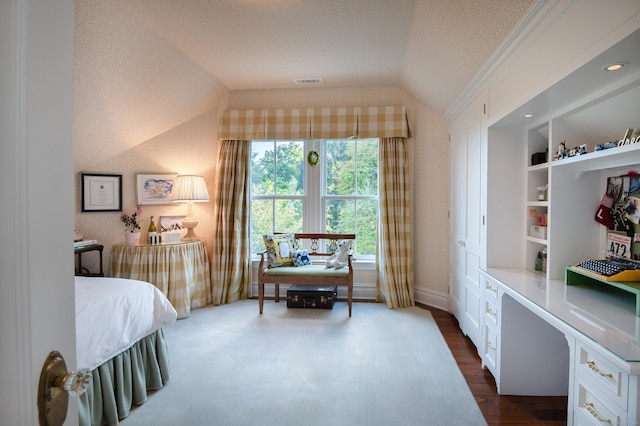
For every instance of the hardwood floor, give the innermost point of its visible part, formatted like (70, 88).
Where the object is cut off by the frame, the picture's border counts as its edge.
(497, 409)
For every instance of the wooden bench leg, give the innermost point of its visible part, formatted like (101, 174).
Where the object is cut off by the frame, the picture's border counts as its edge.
(277, 290)
(350, 297)
(260, 296)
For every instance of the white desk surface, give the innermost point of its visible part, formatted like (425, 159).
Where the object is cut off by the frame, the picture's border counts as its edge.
(606, 318)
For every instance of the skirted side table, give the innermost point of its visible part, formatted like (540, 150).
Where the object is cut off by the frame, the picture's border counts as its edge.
(180, 270)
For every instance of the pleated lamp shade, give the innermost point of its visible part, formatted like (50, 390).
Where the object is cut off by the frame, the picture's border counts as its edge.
(190, 189)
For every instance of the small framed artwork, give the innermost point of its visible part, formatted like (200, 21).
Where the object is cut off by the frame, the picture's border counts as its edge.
(171, 228)
(154, 189)
(101, 192)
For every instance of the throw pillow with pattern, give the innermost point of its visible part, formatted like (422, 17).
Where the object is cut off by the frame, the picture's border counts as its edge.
(301, 258)
(279, 249)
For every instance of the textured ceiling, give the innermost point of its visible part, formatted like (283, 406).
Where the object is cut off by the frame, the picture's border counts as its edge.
(143, 67)
(431, 47)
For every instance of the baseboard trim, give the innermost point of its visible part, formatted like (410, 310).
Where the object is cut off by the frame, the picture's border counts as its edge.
(432, 298)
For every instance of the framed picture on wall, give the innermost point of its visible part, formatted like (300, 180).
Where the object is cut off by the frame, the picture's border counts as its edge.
(101, 192)
(154, 188)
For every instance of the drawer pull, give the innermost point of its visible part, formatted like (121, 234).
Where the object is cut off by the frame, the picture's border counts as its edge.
(490, 345)
(492, 312)
(492, 289)
(590, 408)
(592, 365)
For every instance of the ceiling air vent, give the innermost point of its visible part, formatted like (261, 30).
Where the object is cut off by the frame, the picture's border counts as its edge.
(308, 81)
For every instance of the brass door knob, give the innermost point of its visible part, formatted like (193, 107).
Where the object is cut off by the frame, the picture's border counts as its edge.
(55, 386)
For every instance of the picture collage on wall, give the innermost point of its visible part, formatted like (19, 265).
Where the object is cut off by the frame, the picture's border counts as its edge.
(620, 212)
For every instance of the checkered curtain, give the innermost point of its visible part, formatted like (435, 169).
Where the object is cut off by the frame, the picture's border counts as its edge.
(230, 257)
(383, 122)
(394, 255)
(242, 125)
(314, 123)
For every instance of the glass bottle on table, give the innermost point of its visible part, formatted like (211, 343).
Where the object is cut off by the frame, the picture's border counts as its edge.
(152, 226)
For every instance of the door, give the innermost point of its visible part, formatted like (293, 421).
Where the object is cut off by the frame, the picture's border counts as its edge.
(36, 171)
(467, 147)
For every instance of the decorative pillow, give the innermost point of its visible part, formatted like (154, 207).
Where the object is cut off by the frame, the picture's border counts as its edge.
(279, 249)
(301, 258)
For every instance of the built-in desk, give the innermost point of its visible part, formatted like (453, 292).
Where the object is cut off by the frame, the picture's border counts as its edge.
(181, 271)
(575, 339)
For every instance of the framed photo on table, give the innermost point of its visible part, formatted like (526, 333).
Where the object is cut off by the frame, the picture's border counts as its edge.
(154, 189)
(101, 192)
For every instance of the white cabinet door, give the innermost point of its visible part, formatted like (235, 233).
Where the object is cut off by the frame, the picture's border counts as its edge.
(466, 243)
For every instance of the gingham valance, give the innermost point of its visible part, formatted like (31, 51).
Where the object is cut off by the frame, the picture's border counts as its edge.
(315, 123)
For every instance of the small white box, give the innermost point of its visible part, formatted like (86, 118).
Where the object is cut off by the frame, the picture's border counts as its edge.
(171, 237)
(538, 231)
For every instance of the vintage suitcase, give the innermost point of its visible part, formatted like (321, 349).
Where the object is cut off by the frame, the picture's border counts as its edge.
(312, 296)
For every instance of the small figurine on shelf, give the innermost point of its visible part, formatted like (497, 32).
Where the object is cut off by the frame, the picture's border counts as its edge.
(542, 192)
(562, 151)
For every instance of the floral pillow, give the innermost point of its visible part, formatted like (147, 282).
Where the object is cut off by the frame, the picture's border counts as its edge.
(301, 258)
(279, 249)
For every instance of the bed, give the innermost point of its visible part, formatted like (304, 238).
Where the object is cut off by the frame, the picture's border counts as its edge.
(119, 338)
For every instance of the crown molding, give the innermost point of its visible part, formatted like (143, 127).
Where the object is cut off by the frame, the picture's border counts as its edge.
(527, 25)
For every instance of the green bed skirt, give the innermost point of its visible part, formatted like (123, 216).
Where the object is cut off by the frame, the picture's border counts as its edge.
(123, 381)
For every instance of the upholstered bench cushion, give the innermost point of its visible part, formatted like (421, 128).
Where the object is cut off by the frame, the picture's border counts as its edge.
(315, 270)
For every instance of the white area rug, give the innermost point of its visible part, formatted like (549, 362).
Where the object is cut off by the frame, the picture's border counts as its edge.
(232, 366)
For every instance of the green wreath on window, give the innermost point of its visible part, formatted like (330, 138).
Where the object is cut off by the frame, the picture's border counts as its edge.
(313, 158)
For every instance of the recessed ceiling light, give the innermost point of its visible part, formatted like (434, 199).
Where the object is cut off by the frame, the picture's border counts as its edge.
(527, 115)
(614, 67)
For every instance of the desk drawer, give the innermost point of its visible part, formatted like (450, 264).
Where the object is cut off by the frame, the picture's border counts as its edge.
(491, 291)
(592, 370)
(592, 410)
(490, 351)
(491, 313)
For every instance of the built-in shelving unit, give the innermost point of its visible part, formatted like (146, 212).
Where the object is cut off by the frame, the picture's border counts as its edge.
(537, 204)
(531, 318)
(575, 184)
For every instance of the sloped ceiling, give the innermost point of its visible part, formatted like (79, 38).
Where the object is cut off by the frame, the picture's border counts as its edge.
(144, 66)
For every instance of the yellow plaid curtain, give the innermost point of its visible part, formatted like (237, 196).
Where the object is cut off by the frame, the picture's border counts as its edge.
(230, 256)
(334, 123)
(383, 122)
(314, 123)
(394, 256)
(286, 124)
(242, 124)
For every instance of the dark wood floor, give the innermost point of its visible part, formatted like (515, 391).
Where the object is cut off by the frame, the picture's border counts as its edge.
(497, 409)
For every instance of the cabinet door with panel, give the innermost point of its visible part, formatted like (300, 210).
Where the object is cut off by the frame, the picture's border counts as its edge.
(467, 153)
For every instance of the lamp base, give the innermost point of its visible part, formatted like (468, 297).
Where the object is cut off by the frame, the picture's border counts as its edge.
(190, 235)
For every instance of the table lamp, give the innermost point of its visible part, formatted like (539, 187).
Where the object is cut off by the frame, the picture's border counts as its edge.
(192, 189)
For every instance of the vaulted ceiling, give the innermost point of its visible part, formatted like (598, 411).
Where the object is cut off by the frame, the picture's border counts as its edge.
(152, 64)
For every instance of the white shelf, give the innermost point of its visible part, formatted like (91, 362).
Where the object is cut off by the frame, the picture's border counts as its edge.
(538, 203)
(537, 240)
(538, 167)
(608, 159)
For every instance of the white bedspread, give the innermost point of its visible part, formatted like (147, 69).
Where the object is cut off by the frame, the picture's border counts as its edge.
(114, 313)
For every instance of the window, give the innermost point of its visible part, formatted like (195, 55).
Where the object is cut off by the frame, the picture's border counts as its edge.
(339, 195)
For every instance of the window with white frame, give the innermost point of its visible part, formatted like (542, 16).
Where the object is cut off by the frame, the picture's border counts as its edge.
(337, 195)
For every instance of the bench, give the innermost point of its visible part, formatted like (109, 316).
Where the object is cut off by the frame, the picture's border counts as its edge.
(314, 274)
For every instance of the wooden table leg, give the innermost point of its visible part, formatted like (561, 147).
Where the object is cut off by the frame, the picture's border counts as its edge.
(260, 296)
